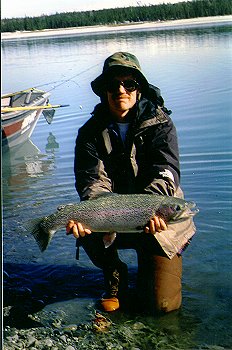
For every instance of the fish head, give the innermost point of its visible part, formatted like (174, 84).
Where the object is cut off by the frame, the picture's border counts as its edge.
(178, 210)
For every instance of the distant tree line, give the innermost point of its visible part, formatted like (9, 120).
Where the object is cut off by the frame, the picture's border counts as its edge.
(162, 12)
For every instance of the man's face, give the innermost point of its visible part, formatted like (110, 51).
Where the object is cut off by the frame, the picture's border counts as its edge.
(122, 91)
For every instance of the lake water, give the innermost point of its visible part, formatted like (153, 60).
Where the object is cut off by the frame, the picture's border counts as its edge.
(192, 67)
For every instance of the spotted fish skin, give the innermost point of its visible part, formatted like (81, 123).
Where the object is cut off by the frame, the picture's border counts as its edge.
(112, 213)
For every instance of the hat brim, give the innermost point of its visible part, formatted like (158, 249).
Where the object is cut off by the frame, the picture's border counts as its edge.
(98, 85)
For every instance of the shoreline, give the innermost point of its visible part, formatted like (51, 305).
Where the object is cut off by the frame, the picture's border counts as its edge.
(159, 25)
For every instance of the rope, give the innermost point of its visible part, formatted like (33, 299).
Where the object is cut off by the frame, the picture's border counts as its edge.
(61, 82)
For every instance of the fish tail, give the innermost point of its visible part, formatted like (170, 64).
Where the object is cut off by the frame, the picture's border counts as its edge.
(41, 236)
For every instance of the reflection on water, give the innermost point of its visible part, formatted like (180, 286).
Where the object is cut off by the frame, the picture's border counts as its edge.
(51, 145)
(21, 162)
(24, 162)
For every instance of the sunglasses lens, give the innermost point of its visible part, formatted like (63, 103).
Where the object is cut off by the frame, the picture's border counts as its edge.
(129, 85)
(112, 86)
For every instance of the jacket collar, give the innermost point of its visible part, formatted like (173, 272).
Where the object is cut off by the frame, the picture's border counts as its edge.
(148, 114)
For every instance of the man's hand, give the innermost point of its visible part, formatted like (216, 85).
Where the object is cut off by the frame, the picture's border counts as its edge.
(77, 229)
(156, 224)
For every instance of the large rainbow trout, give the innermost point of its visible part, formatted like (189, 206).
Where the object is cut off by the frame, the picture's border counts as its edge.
(113, 213)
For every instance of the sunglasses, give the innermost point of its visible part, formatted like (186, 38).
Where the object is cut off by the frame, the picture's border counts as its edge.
(129, 85)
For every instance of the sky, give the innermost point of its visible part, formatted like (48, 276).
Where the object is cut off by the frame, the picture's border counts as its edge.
(32, 8)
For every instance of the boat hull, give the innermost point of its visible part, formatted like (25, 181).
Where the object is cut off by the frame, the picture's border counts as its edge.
(18, 126)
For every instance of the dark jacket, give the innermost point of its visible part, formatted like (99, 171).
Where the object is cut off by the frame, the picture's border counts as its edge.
(148, 161)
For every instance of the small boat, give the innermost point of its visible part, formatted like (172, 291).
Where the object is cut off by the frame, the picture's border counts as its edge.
(20, 112)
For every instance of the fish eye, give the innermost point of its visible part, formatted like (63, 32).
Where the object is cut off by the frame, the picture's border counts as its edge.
(178, 207)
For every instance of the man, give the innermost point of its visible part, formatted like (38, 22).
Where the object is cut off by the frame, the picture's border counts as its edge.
(129, 145)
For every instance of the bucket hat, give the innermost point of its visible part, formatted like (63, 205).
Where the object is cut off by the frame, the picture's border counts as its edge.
(118, 62)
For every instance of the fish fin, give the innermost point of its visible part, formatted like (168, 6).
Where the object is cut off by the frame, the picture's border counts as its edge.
(109, 238)
(42, 238)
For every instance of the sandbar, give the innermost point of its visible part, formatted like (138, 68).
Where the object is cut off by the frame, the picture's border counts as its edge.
(97, 29)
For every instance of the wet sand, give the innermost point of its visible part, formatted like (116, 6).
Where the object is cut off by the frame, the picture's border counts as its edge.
(159, 25)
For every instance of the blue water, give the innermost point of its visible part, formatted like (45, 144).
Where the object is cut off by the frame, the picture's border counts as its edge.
(192, 67)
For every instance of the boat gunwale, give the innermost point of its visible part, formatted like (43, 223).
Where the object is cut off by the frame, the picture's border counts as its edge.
(18, 114)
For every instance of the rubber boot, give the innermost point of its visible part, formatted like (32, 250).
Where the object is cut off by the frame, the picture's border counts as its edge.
(116, 284)
(159, 283)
